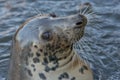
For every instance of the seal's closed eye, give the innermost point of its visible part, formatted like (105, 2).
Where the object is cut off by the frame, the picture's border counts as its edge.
(47, 35)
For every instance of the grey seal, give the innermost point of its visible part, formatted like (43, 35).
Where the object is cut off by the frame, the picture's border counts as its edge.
(43, 49)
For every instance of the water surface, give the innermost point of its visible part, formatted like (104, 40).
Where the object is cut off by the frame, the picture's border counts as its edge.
(100, 45)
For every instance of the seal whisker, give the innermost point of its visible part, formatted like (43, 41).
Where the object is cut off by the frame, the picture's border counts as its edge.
(90, 13)
(81, 48)
(80, 11)
(86, 54)
(84, 46)
(85, 10)
(87, 41)
(98, 26)
(87, 48)
(94, 19)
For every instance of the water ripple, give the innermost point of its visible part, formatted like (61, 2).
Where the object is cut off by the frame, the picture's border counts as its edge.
(100, 46)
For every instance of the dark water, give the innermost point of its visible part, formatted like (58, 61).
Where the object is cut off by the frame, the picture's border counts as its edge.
(100, 45)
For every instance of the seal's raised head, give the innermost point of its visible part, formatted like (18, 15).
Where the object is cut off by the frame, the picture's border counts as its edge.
(43, 46)
(47, 29)
(53, 36)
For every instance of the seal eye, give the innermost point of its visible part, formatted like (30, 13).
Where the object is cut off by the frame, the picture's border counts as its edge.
(47, 35)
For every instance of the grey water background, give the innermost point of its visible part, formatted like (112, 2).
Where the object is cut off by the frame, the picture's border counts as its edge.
(100, 45)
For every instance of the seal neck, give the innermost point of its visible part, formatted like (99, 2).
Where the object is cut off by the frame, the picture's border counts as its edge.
(67, 60)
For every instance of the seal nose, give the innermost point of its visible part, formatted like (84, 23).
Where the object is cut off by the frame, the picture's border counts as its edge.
(79, 23)
(82, 20)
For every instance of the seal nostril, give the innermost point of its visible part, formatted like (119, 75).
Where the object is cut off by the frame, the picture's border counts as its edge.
(79, 23)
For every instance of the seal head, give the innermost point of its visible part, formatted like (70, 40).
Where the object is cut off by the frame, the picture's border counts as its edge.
(43, 46)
